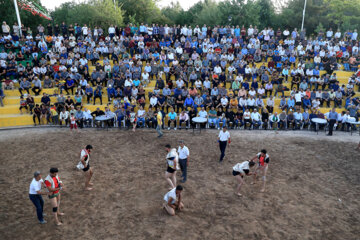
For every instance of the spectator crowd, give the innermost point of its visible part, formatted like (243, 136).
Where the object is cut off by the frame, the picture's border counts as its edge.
(234, 76)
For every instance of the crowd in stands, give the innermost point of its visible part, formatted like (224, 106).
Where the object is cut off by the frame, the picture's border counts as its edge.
(223, 73)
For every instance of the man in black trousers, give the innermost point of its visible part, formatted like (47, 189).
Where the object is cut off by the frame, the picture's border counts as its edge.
(223, 139)
(332, 119)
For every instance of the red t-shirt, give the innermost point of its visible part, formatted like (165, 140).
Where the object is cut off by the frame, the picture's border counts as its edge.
(48, 184)
(262, 160)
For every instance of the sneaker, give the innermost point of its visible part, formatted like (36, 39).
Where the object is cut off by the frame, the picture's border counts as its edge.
(43, 222)
(182, 181)
(174, 128)
(168, 128)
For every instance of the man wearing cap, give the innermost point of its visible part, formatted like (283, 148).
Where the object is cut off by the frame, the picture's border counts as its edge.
(35, 195)
(54, 185)
(184, 153)
(223, 139)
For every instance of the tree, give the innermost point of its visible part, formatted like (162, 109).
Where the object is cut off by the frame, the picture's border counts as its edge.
(93, 13)
(142, 11)
(7, 13)
(266, 12)
(343, 14)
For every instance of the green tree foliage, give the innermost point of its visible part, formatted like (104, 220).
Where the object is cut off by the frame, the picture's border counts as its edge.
(7, 13)
(266, 13)
(94, 13)
(140, 11)
(343, 14)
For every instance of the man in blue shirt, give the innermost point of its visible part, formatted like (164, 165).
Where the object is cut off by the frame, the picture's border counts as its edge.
(290, 103)
(306, 103)
(89, 93)
(189, 102)
(172, 118)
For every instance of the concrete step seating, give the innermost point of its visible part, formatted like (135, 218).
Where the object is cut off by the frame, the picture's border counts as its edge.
(10, 114)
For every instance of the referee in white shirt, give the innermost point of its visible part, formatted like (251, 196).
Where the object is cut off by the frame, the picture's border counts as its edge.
(35, 195)
(223, 139)
(184, 154)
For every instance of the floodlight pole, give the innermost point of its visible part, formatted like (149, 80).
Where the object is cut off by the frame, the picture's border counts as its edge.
(18, 16)
(114, 5)
(302, 24)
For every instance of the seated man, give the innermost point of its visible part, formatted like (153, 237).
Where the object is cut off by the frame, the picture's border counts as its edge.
(47, 82)
(150, 118)
(230, 117)
(202, 113)
(141, 117)
(45, 99)
(291, 120)
(247, 118)
(239, 118)
(173, 200)
(120, 115)
(256, 118)
(306, 103)
(110, 116)
(172, 119)
(283, 118)
(79, 116)
(306, 118)
(298, 119)
(97, 113)
(212, 119)
(87, 117)
(274, 120)
(184, 118)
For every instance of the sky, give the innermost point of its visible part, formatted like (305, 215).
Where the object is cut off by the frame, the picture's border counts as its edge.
(51, 4)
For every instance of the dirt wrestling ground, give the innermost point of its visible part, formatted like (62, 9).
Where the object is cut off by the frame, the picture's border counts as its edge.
(313, 186)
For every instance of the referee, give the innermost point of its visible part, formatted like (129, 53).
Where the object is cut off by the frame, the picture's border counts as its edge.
(332, 119)
(223, 139)
(184, 154)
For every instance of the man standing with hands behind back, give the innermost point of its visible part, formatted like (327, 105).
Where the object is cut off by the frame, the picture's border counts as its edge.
(223, 139)
(332, 119)
(184, 154)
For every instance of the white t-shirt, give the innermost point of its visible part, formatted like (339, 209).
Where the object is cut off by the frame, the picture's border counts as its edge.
(141, 113)
(224, 136)
(240, 167)
(297, 97)
(171, 194)
(183, 152)
(35, 186)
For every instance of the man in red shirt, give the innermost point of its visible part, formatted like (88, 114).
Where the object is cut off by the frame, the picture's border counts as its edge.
(263, 162)
(54, 185)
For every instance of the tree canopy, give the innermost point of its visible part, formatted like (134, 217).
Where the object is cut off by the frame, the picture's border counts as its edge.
(342, 14)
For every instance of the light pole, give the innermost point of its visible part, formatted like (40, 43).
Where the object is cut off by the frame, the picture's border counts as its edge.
(302, 24)
(18, 16)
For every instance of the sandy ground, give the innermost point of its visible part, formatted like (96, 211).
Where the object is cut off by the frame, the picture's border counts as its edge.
(313, 186)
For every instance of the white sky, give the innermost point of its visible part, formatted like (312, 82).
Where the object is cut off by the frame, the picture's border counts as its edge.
(51, 4)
